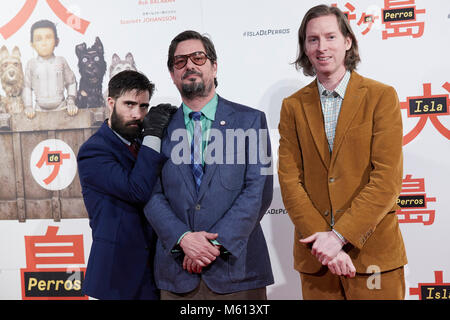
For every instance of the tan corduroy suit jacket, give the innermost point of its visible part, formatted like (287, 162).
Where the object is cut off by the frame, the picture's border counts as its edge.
(357, 184)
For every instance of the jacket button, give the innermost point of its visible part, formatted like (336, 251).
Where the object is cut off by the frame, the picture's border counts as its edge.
(197, 207)
(331, 180)
(326, 213)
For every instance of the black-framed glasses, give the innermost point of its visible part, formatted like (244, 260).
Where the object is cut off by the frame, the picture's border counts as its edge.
(198, 58)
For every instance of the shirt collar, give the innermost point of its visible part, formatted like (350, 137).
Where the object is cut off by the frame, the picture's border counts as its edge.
(50, 59)
(209, 110)
(339, 90)
(128, 143)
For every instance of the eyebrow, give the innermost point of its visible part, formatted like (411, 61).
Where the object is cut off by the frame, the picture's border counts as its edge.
(326, 34)
(188, 54)
(130, 102)
(134, 103)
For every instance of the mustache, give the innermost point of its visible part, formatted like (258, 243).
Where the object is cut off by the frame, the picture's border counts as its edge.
(191, 72)
(138, 122)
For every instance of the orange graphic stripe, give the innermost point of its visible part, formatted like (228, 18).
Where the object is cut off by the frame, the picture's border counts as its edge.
(415, 132)
(19, 20)
(52, 176)
(67, 16)
(43, 157)
(440, 127)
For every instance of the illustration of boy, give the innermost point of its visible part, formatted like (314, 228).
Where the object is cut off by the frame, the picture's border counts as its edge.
(48, 75)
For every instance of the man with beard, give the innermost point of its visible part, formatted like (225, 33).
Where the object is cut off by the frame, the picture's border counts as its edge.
(207, 213)
(117, 181)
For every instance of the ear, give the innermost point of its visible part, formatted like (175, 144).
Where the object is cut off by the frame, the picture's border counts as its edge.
(80, 49)
(129, 58)
(214, 65)
(56, 42)
(16, 52)
(110, 103)
(98, 44)
(3, 52)
(348, 43)
(115, 58)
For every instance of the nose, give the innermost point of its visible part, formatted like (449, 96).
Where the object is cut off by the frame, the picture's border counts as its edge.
(189, 64)
(322, 45)
(138, 113)
(135, 113)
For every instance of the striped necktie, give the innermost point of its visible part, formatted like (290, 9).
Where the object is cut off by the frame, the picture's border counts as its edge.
(196, 149)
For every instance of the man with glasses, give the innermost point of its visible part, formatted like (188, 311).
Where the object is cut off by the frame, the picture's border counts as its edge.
(207, 213)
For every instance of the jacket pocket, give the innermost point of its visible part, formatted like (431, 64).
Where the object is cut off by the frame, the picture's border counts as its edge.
(232, 175)
(357, 143)
(359, 132)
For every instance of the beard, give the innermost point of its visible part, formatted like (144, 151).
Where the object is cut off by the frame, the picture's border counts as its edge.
(194, 89)
(123, 128)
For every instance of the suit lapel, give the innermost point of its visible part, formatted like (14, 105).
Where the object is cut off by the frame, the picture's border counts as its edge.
(354, 96)
(314, 117)
(223, 120)
(184, 168)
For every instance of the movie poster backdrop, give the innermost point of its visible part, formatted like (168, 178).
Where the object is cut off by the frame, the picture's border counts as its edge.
(48, 108)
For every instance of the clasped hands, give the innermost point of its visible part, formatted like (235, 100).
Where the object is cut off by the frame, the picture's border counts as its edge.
(327, 248)
(199, 252)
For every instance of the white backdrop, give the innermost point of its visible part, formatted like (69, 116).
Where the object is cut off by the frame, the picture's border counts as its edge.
(256, 42)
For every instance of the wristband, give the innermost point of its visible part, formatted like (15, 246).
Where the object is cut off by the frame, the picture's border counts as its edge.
(344, 241)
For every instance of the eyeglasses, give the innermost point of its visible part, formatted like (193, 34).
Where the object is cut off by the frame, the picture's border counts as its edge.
(198, 58)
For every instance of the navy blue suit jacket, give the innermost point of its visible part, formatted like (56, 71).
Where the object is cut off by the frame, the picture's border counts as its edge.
(231, 201)
(115, 188)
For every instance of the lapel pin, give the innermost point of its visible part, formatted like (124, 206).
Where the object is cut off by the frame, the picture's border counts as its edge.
(222, 123)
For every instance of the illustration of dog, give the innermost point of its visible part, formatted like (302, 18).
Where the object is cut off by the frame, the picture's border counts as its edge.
(118, 65)
(11, 75)
(92, 67)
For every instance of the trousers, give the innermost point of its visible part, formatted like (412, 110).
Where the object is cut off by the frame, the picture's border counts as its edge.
(324, 285)
(202, 292)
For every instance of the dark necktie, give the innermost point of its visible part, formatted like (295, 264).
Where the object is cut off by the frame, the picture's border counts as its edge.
(134, 148)
(196, 149)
